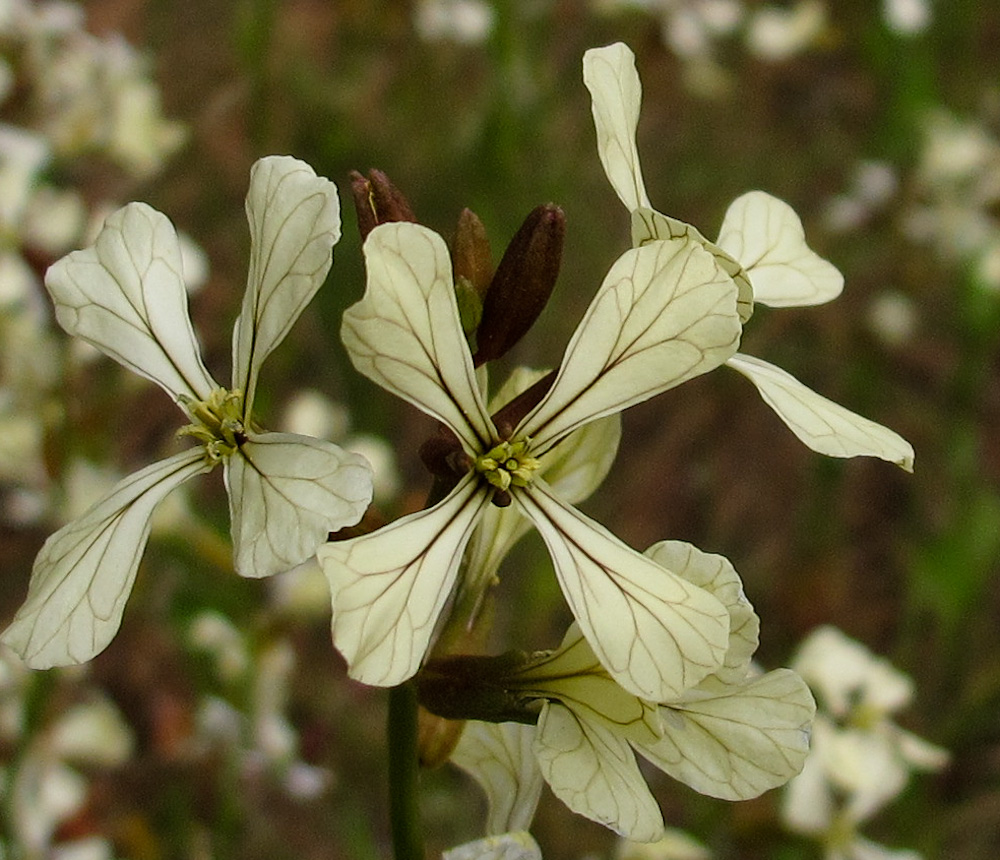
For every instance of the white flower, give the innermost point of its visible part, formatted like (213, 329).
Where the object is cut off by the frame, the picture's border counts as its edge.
(125, 295)
(761, 245)
(860, 759)
(665, 313)
(734, 735)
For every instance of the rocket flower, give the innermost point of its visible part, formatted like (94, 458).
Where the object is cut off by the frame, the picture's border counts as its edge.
(665, 313)
(761, 245)
(125, 295)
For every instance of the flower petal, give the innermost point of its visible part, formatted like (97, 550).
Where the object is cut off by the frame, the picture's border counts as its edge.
(648, 225)
(766, 236)
(654, 632)
(573, 675)
(286, 494)
(579, 464)
(823, 425)
(594, 772)
(718, 577)
(125, 295)
(405, 334)
(738, 742)
(84, 572)
(294, 223)
(616, 95)
(389, 587)
(500, 758)
(665, 313)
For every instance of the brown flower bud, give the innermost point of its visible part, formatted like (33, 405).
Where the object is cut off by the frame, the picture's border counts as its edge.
(522, 284)
(471, 257)
(377, 201)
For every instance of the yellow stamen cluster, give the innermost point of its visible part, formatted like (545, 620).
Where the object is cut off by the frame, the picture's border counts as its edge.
(218, 422)
(508, 464)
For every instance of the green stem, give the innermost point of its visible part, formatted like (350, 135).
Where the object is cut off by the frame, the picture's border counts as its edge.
(404, 777)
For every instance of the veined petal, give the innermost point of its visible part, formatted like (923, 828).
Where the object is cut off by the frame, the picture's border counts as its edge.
(125, 295)
(616, 95)
(654, 632)
(580, 463)
(648, 225)
(665, 313)
(286, 494)
(594, 772)
(294, 220)
(573, 675)
(766, 236)
(739, 742)
(496, 533)
(499, 757)
(405, 334)
(823, 425)
(388, 587)
(84, 572)
(718, 577)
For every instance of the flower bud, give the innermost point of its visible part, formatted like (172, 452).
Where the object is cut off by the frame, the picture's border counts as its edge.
(522, 284)
(377, 201)
(471, 257)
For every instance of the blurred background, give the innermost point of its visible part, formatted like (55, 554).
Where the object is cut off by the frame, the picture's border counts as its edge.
(221, 720)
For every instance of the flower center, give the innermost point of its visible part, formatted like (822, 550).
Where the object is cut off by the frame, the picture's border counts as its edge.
(218, 422)
(507, 464)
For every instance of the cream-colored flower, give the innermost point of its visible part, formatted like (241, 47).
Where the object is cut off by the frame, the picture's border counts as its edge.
(761, 245)
(734, 735)
(125, 295)
(665, 313)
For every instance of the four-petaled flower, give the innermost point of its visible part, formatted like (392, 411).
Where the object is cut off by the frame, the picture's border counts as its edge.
(665, 313)
(733, 735)
(761, 245)
(125, 295)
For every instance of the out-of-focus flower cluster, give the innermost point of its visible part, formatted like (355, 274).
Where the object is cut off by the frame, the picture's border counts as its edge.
(860, 760)
(46, 785)
(87, 94)
(64, 95)
(958, 189)
(698, 32)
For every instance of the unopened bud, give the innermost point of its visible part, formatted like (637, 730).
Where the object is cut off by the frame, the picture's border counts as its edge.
(522, 284)
(471, 257)
(377, 201)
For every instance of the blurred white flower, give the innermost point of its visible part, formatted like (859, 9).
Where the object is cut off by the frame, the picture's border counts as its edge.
(907, 17)
(777, 33)
(860, 759)
(873, 185)
(468, 22)
(958, 190)
(893, 317)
